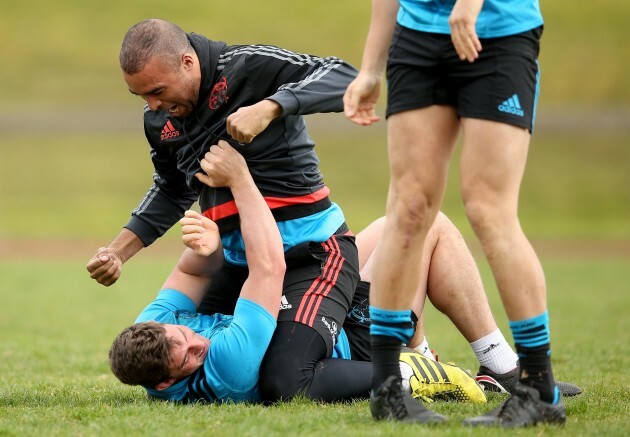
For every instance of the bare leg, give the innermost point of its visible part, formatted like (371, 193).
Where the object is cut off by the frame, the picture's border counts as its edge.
(492, 166)
(449, 276)
(454, 284)
(418, 179)
(415, 192)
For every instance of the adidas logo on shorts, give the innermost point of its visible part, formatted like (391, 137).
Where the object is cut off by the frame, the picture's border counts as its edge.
(284, 303)
(512, 106)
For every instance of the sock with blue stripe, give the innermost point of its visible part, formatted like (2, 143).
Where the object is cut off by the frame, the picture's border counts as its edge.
(531, 338)
(389, 329)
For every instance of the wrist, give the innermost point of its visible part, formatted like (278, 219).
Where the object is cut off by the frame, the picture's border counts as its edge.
(125, 245)
(241, 182)
(375, 70)
(117, 254)
(272, 108)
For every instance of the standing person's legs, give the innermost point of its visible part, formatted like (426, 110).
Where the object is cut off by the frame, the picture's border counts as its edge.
(448, 276)
(420, 144)
(454, 287)
(451, 280)
(492, 166)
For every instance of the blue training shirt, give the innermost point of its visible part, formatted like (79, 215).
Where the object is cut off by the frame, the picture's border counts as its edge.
(237, 346)
(317, 227)
(497, 17)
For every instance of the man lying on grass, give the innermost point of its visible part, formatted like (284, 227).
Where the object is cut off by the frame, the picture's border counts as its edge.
(178, 354)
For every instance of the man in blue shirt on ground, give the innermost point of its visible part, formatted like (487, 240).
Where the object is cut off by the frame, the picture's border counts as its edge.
(209, 357)
(179, 354)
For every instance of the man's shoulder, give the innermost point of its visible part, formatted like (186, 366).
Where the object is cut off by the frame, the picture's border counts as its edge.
(186, 390)
(169, 306)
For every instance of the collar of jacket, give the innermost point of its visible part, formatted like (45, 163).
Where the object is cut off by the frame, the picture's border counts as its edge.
(208, 52)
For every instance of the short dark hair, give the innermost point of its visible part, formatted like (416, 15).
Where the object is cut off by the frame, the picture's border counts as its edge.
(140, 355)
(150, 38)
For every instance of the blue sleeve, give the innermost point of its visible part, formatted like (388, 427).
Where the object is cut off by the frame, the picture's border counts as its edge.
(342, 347)
(237, 351)
(166, 307)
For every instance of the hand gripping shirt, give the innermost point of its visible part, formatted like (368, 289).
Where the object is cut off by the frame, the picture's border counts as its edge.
(237, 346)
(497, 17)
(281, 159)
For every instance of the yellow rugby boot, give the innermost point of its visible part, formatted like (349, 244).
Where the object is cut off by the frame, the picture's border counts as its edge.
(434, 381)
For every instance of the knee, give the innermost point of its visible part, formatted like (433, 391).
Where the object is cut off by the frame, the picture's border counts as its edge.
(282, 377)
(412, 211)
(484, 217)
(492, 222)
(279, 381)
(444, 228)
(272, 388)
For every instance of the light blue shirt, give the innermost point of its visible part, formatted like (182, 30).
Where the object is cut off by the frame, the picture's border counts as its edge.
(237, 346)
(497, 17)
(317, 227)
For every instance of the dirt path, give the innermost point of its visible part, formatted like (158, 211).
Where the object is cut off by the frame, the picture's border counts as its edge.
(169, 248)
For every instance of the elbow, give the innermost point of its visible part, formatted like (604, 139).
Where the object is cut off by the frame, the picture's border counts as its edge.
(273, 266)
(277, 266)
(266, 259)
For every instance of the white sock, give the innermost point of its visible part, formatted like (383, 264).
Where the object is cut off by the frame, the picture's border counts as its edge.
(424, 349)
(495, 353)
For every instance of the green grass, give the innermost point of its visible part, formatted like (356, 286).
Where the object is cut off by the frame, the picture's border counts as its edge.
(57, 326)
(84, 186)
(574, 186)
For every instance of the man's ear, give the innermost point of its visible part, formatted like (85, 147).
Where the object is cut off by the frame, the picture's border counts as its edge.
(165, 384)
(188, 60)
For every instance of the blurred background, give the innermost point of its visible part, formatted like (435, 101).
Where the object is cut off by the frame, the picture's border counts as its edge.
(74, 161)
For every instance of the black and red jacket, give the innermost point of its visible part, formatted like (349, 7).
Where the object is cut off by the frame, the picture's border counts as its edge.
(281, 159)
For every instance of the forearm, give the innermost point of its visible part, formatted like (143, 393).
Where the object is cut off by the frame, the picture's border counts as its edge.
(259, 229)
(263, 247)
(159, 210)
(379, 37)
(193, 273)
(126, 245)
(319, 92)
(165, 201)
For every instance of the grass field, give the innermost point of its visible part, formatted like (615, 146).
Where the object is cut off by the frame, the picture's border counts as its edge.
(57, 326)
(81, 185)
(70, 172)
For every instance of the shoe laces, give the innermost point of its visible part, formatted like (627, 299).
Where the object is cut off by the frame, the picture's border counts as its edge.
(513, 407)
(396, 400)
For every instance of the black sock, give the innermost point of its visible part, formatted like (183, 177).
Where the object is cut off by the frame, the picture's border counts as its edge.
(385, 358)
(536, 370)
